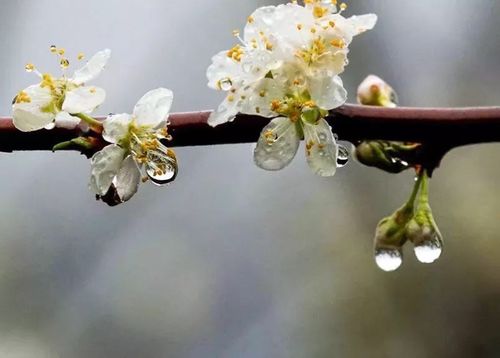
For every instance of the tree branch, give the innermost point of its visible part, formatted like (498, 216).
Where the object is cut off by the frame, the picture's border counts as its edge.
(438, 129)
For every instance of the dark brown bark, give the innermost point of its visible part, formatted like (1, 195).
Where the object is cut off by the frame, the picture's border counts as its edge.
(441, 129)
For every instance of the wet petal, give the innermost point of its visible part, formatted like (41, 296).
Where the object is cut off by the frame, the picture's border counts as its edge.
(223, 72)
(321, 148)
(226, 112)
(260, 98)
(65, 120)
(30, 116)
(128, 179)
(328, 92)
(362, 23)
(105, 165)
(277, 145)
(153, 108)
(116, 127)
(93, 67)
(83, 99)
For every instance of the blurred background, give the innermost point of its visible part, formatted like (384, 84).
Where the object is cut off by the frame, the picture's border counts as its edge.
(232, 261)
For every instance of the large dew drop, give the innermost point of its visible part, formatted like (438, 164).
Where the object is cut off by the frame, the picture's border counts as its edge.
(429, 251)
(163, 170)
(388, 260)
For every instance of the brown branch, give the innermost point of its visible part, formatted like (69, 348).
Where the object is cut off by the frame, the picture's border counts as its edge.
(436, 128)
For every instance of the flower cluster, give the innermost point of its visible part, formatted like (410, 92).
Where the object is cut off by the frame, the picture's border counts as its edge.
(287, 66)
(135, 147)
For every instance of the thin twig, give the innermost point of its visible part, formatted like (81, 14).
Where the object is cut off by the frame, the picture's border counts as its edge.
(435, 127)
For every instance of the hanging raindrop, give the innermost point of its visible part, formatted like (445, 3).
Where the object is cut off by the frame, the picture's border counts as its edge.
(429, 251)
(343, 156)
(160, 168)
(388, 259)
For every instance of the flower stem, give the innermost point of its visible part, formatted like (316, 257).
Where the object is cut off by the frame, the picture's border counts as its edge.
(92, 122)
(416, 187)
(424, 194)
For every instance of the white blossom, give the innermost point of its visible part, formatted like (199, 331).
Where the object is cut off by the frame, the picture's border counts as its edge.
(136, 150)
(288, 66)
(53, 101)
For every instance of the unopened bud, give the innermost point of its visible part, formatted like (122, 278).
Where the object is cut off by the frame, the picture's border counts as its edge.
(374, 91)
(390, 238)
(423, 232)
(384, 155)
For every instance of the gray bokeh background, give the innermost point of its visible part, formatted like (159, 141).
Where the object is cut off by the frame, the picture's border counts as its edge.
(232, 261)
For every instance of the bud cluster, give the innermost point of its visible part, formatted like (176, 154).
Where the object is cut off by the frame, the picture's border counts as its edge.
(408, 223)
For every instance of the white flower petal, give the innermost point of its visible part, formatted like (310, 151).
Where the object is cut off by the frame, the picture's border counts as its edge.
(93, 67)
(83, 99)
(258, 101)
(328, 92)
(226, 112)
(277, 145)
(321, 148)
(30, 116)
(128, 179)
(116, 127)
(280, 23)
(223, 72)
(105, 165)
(362, 23)
(153, 108)
(65, 120)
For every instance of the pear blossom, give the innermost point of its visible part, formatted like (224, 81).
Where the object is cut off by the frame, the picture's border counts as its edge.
(287, 66)
(56, 101)
(135, 150)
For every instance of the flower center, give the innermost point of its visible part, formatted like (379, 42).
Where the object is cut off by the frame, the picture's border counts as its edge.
(146, 147)
(296, 106)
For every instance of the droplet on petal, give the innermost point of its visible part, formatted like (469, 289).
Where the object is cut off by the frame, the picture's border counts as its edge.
(277, 145)
(388, 259)
(321, 148)
(225, 84)
(29, 67)
(429, 251)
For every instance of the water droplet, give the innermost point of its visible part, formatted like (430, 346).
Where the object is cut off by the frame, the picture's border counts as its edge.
(225, 84)
(161, 170)
(343, 156)
(399, 161)
(388, 260)
(429, 251)
(29, 67)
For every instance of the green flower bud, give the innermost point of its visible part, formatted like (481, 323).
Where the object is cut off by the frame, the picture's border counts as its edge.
(390, 238)
(422, 230)
(385, 155)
